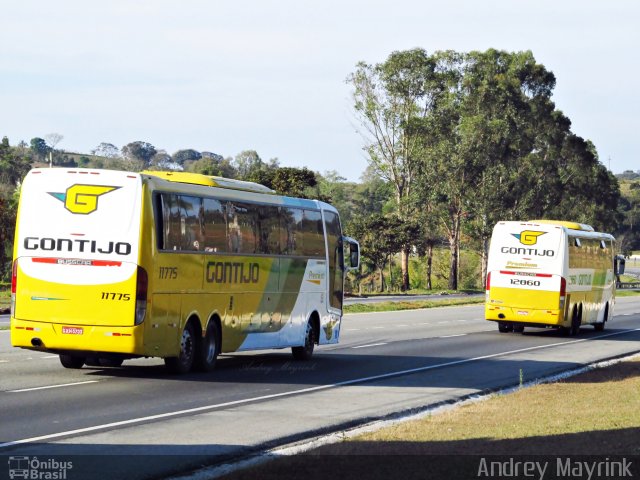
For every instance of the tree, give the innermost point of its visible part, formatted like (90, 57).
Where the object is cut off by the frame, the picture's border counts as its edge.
(293, 182)
(39, 147)
(212, 166)
(139, 152)
(247, 164)
(53, 139)
(471, 139)
(388, 97)
(163, 161)
(375, 235)
(14, 165)
(182, 156)
(108, 150)
(506, 106)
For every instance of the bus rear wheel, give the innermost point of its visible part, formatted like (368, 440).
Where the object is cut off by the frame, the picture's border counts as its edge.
(576, 320)
(306, 351)
(71, 361)
(209, 349)
(600, 326)
(504, 327)
(184, 361)
(110, 361)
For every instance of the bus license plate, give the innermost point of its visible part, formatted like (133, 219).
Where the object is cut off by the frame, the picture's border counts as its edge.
(72, 330)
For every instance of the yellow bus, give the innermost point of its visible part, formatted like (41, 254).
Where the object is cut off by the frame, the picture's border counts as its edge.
(112, 265)
(547, 273)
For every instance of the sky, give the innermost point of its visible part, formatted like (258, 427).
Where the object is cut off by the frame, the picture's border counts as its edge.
(270, 75)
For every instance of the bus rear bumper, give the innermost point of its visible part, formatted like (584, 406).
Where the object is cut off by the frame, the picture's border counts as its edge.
(525, 316)
(61, 338)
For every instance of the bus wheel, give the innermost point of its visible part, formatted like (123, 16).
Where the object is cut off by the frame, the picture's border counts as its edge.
(600, 326)
(518, 328)
(305, 352)
(110, 362)
(70, 361)
(504, 327)
(575, 323)
(208, 353)
(184, 361)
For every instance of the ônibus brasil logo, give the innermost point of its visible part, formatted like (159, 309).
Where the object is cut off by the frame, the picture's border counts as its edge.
(528, 237)
(82, 199)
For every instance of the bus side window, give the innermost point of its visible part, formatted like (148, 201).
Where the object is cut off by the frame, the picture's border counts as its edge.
(292, 233)
(242, 227)
(215, 228)
(190, 227)
(268, 229)
(312, 236)
(171, 222)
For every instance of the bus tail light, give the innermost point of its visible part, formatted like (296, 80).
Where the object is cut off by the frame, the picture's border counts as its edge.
(14, 286)
(142, 282)
(488, 287)
(563, 291)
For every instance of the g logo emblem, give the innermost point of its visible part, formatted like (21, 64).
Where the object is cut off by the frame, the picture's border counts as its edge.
(528, 237)
(82, 199)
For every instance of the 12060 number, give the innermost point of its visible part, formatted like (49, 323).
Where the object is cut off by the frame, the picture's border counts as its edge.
(525, 283)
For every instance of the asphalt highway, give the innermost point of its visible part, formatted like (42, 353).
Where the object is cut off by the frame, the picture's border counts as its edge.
(140, 422)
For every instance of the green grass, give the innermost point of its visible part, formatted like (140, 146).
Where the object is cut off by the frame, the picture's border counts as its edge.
(5, 300)
(409, 305)
(416, 291)
(626, 293)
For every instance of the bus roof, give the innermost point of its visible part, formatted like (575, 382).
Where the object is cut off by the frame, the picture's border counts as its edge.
(209, 181)
(563, 223)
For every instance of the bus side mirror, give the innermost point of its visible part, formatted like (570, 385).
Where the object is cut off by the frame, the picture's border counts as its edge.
(618, 264)
(354, 253)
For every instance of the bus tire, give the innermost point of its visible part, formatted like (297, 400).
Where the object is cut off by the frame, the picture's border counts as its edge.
(600, 326)
(518, 328)
(71, 361)
(306, 351)
(184, 361)
(575, 323)
(110, 362)
(209, 349)
(504, 327)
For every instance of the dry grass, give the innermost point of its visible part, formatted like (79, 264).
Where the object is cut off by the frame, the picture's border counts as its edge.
(596, 413)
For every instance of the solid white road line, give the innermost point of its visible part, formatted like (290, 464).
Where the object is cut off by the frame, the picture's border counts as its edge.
(51, 386)
(370, 345)
(290, 393)
(451, 336)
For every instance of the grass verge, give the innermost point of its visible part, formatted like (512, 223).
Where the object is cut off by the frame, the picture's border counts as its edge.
(409, 305)
(627, 293)
(595, 413)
